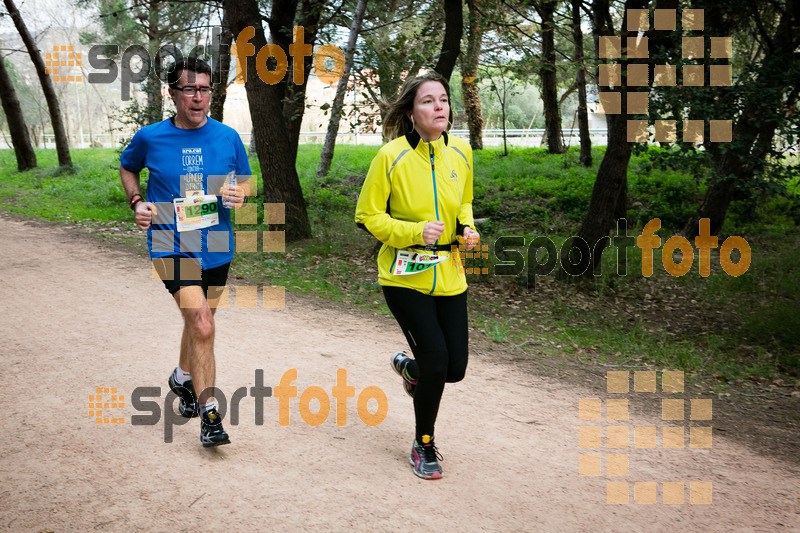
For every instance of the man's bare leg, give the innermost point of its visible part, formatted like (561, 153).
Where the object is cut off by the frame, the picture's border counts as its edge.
(197, 352)
(185, 360)
(197, 342)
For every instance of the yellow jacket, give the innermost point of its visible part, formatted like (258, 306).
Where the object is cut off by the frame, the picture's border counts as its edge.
(409, 183)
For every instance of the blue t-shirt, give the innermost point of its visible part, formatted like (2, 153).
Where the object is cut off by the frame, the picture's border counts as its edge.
(181, 163)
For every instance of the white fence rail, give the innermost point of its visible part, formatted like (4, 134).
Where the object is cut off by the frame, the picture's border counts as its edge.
(515, 137)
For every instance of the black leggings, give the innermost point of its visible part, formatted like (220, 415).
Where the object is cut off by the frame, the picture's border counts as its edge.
(436, 330)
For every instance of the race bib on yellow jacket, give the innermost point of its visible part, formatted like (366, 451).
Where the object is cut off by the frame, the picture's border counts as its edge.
(409, 262)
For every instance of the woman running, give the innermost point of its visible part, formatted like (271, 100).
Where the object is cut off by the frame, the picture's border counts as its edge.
(417, 200)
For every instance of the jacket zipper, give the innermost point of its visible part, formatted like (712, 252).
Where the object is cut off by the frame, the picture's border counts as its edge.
(436, 204)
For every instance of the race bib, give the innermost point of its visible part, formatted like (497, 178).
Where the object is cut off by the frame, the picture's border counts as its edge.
(196, 212)
(409, 262)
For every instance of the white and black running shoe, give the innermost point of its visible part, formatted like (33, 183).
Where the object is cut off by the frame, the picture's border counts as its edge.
(188, 406)
(211, 432)
(399, 362)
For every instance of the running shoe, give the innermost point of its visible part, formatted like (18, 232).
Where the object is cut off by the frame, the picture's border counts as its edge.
(188, 406)
(211, 432)
(399, 363)
(425, 459)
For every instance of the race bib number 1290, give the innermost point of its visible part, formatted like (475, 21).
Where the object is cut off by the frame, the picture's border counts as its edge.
(196, 212)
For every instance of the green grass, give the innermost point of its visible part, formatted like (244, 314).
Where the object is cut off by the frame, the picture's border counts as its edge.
(708, 326)
(92, 191)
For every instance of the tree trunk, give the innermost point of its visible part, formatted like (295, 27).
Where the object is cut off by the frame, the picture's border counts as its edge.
(152, 85)
(503, 114)
(90, 118)
(753, 134)
(295, 100)
(469, 77)
(451, 45)
(552, 115)
(583, 115)
(222, 69)
(26, 158)
(752, 138)
(608, 194)
(610, 187)
(341, 89)
(276, 150)
(62, 144)
(252, 148)
(68, 123)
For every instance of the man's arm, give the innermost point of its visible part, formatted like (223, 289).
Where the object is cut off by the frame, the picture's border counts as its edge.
(143, 211)
(130, 182)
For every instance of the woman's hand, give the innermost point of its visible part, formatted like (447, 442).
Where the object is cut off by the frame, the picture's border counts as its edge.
(432, 231)
(471, 238)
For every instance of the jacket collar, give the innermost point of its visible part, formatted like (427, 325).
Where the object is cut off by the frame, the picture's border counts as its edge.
(414, 139)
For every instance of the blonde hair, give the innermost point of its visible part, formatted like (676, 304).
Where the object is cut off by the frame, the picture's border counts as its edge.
(396, 124)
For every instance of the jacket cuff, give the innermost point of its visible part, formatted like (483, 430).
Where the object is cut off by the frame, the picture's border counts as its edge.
(418, 229)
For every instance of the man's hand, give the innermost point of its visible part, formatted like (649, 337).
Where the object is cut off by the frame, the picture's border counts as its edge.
(432, 231)
(144, 213)
(471, 238)
(233, 195)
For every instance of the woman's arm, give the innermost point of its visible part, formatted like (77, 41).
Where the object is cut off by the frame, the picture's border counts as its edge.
(465, 217)
(372, 206)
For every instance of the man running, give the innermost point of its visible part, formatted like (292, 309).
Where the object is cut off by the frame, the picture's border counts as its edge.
(189, 232)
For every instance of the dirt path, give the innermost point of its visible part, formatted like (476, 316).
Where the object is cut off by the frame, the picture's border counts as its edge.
(76, 315)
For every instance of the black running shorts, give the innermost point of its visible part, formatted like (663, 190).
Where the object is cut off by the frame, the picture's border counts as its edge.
(176, 271)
